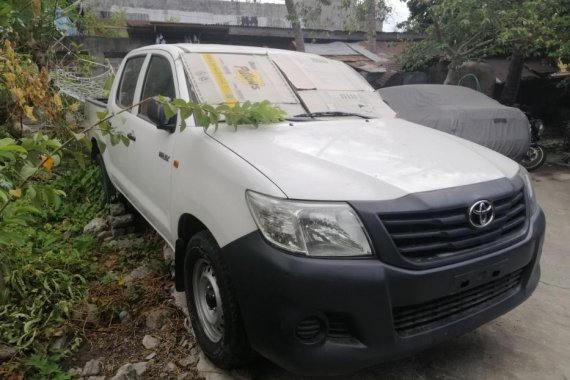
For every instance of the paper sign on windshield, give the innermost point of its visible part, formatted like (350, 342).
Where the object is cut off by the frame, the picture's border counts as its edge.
(229, 78)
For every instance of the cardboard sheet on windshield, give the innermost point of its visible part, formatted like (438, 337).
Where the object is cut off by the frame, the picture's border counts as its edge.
(326, 85)
(219, 78)
(312, 72)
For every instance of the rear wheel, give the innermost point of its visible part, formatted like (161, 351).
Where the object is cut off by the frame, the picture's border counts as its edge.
(212, 304)
(110, 193)
(535, 158)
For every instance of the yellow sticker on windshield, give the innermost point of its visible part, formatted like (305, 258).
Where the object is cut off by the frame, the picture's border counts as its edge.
(221, 81)
(249, 77)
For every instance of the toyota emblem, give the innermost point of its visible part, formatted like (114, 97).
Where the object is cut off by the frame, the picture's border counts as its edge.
(481, 214)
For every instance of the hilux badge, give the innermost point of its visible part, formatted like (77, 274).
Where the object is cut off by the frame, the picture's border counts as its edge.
(481, 214)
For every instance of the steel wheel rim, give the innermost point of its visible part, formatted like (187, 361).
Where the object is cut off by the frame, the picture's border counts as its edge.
(533, 156)
(208, 300)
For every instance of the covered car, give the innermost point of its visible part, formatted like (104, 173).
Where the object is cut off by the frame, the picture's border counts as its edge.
(463, 112)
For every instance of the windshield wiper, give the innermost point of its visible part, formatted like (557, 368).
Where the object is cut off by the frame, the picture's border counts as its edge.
(332, 114)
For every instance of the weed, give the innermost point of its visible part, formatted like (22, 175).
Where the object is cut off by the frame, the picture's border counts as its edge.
(44, 367)
(46, 273)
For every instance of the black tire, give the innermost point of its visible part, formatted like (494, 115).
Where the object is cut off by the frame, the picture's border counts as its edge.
(110, 193)
(232, 350)
(535, 158)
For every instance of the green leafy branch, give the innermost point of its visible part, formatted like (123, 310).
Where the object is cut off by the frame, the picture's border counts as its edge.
(237, 114)
(33, 165)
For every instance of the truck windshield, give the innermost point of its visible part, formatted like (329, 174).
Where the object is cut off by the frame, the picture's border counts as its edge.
(298, 83)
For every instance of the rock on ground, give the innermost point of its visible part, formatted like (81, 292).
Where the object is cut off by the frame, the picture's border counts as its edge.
(209, 371)
(149, 342)
(58, 344)
(121, 221)
(124, 316)
(126, 372)
(180, 301)
(88, 313)
(116, 209)
(168, 254)
(170, 367)
(138, 273)
(188, 360)
(95, 226)
(157, 318)
(92, 368)
(140, 367)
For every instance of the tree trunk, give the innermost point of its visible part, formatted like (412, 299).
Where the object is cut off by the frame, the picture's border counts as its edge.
(511, 90)
(453, 72)
(371, 24)
(452, 77)
(294, 18)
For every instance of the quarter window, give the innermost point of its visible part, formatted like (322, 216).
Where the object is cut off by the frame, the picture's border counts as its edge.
(128, 84)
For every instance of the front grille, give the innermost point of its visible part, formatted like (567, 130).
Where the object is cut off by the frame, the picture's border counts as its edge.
(421, 236)
(409, 320)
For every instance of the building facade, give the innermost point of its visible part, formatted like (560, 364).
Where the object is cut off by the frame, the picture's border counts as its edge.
(314, 15)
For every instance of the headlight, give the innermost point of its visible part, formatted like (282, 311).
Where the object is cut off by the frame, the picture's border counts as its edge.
(529, 189)
(312, 229)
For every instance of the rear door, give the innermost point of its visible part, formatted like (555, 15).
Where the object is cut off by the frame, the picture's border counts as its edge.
(119, 159)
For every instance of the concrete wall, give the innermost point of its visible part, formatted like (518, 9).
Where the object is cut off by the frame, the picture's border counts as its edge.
(332, 17)
(197, 11)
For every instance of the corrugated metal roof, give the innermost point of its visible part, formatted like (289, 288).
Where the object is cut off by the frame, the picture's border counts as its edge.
(365, 52)
(333, 48)
(343, 48)
(369, 67)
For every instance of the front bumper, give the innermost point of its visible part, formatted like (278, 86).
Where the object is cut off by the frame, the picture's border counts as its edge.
(276, 291)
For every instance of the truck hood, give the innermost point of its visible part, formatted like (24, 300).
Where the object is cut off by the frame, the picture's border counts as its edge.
(347, 159)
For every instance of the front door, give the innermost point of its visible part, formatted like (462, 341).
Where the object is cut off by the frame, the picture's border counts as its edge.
(151, 148)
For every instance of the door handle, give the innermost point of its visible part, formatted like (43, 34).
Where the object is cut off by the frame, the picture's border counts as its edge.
(131, 136)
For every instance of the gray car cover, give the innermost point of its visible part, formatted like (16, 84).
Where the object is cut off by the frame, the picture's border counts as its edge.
(463, 112)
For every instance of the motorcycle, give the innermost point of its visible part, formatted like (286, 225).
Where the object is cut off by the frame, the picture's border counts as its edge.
(536, 155)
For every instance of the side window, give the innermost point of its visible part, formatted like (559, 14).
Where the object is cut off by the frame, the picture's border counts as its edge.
(128, 84)
(158, 81)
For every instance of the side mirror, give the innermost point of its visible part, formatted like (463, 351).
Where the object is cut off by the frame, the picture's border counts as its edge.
(155, 113)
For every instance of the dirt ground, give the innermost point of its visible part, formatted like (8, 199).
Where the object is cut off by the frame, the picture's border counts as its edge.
(530, 342)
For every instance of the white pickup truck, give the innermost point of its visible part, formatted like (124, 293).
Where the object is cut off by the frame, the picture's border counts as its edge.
(335, 240)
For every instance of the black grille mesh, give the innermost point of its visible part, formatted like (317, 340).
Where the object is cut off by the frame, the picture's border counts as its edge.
(426, 235)
(409, 320)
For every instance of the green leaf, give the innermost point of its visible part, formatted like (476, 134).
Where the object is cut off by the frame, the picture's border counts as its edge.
(125, 140)
(27, 170)
(169, 110)
(102, 114)
(185, 113)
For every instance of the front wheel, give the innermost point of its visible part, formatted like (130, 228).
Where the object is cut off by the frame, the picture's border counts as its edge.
(534, 158)
(212, 304)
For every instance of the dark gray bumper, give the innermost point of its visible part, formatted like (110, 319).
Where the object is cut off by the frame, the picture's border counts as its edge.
(276, 291)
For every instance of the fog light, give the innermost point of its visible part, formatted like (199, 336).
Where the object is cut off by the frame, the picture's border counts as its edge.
(311, 330)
